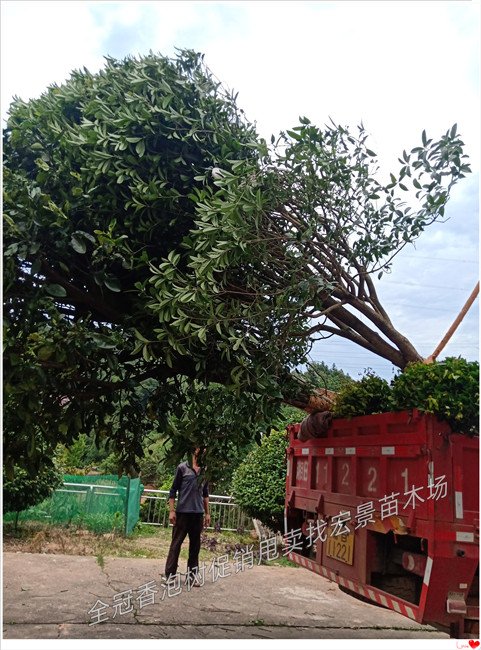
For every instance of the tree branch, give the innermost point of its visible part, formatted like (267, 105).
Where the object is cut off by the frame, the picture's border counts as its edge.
(79, 297)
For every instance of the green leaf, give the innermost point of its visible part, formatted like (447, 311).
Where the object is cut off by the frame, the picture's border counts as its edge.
(294, 135)
(140, 336)
(45, 352)
(202, 334)
(146, 353)
(103, 341)
(56, 290)
(113, 284)
(36, 266)
(140, 148)
(42, 164)
(78, 244)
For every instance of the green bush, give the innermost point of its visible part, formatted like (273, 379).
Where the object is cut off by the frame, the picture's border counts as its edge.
(259, 483)
(370, 395)
(448, 389)
(23, 491)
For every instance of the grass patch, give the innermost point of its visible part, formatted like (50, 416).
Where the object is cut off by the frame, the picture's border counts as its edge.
(145, 530)
(283, 561)
(146, 541)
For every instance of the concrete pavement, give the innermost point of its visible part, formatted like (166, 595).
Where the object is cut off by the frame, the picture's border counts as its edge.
(54, 596)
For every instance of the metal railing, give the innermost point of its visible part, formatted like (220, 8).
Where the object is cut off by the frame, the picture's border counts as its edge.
(224, 513)
(92, 488)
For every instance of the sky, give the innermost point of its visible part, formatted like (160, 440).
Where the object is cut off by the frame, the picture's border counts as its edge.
(399, 67)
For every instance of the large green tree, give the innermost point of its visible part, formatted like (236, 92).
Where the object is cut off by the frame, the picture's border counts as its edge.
(154, 244)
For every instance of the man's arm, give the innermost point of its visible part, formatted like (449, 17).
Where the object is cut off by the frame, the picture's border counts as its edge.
(172, 494)
(206, 512)
(205, 494)
(172, 515)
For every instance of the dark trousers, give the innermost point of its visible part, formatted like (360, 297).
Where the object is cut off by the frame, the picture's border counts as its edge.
(187, 523)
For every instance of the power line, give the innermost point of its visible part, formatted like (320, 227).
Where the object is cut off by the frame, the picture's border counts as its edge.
(406, 304)
(440, 259)
(322, 354)
(427, 286)
(343, 342)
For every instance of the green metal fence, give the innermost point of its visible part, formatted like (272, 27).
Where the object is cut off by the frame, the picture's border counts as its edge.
(101, 503)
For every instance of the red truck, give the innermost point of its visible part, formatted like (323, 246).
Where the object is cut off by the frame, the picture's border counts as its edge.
(387, 506)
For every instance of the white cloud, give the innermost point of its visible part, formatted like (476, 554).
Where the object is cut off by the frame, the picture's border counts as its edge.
(399, 67)
(42, 42)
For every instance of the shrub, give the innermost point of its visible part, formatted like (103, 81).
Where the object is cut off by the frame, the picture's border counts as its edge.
(448, 389)
(370, 395)
(23, 491)
(259, 482)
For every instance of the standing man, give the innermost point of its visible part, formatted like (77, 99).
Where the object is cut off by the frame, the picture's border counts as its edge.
(188, 518)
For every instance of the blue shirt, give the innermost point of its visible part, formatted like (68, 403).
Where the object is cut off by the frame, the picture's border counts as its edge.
(191, 490)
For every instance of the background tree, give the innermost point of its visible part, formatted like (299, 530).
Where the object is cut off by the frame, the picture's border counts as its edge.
(23, 492)
(320, 374)
(79, 455)
(153, 239)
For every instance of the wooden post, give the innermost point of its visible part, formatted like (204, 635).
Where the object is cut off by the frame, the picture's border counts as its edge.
(454, 326)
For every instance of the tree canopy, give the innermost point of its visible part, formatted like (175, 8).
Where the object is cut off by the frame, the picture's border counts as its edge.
(155, 245)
